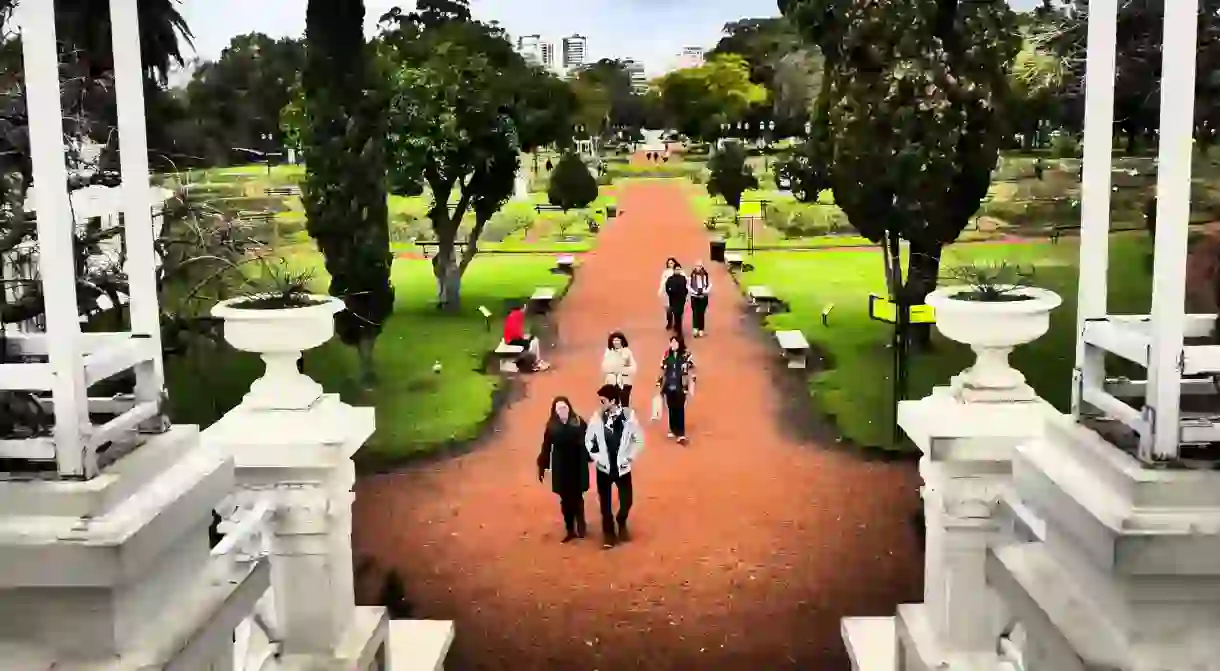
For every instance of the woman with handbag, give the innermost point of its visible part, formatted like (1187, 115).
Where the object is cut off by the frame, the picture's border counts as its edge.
(564, 454)
(619, 366)
(677, 384)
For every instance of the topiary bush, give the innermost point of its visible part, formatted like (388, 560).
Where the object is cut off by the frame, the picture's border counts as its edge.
(571, 186)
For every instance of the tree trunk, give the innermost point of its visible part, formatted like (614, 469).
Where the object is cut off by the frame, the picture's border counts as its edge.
(368, 369)
(923, 270)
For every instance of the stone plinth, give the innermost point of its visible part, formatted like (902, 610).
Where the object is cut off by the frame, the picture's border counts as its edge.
(1126, 574)
(966, 467)
(115, 572)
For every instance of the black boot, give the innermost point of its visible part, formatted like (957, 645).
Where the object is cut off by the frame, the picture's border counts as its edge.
(582, 528)
(623, 534)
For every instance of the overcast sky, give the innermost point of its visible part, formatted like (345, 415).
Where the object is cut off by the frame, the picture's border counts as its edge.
(653, 31)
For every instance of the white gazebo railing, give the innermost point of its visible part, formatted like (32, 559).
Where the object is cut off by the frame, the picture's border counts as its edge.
(63, 361)
(1158, 342)
(247, 542)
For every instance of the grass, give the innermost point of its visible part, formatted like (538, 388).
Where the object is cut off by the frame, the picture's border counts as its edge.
(856, 390)
(417, 409)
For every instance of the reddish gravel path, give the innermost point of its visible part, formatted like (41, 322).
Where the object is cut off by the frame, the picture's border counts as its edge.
(748, 545)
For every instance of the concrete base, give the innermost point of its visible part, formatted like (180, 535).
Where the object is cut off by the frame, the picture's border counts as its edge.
(361, 647)
(870, 642)
(420, 645)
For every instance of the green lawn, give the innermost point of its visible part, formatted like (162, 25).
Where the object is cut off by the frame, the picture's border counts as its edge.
(417, 409)
(855, 391)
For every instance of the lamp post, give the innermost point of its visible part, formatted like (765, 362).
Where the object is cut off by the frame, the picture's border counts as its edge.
(770, 138)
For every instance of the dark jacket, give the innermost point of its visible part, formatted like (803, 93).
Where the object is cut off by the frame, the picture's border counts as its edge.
(676, 288)
(563, 452)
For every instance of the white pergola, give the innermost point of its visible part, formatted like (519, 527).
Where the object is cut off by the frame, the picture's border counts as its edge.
(75, 360)
(1156, 341)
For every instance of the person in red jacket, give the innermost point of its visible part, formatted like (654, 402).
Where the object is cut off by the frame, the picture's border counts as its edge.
(515, 334)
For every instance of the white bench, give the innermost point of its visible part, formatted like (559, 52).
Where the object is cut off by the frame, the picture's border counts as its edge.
(507, 354)
(795, 347)
(566, 263)
(419, 645)
(762, 298)
(542, 298)
(733, 260)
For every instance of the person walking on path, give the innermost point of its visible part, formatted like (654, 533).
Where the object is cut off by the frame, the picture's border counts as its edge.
(700, 287)
(564, 453)
(671, 264)
(676, 384)
(677, 288)
(515, 334)
(619, 366)
(614, 439)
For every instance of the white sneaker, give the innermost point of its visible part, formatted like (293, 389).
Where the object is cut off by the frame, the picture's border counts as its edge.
(670, 435)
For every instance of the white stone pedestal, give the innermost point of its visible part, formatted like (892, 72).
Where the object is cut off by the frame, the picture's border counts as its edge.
(115, 572)
(966, 466)
(303, 460)
(1126, 574)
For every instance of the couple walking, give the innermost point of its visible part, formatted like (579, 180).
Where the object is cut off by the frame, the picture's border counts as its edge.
(676, 288)
(611, 440)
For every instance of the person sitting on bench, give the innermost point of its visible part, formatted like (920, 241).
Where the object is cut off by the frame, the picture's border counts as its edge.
(515, 334)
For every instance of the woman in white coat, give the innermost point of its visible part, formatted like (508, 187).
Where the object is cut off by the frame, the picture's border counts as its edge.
(619, 366)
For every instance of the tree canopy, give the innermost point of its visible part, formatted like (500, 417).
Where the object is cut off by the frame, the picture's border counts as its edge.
(699, 100)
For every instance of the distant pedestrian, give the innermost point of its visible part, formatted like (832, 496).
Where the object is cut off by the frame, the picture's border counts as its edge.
(564, 454)
(614, 440)
(700, 288)
(677, 289)
(619, 366)
(676, 384)
(549, 166)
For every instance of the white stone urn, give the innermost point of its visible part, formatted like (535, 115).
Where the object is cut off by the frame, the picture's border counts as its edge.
(279, 335)
(992, 329)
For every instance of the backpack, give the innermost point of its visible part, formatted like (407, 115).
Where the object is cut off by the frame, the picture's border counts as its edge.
(672, 377)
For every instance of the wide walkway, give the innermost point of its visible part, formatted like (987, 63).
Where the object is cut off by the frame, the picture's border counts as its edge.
(747, 547)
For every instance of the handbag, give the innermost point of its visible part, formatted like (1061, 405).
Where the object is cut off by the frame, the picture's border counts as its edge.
(658, 405)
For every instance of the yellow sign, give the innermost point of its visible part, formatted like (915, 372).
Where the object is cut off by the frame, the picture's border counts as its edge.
(750, 208)
(883, 310)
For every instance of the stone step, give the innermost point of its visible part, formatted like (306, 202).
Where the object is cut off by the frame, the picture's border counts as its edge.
(870, 642)
(420, 645)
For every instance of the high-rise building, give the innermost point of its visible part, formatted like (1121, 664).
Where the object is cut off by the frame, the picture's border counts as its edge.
(574, 51)
(530, 48)
(635, 70)
(547, 51)
(691, 57)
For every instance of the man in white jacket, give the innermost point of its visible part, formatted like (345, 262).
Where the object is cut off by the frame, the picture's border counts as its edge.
(614, 439)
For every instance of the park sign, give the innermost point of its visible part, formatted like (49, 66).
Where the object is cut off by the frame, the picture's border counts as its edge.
(751, 208)
(885, 310)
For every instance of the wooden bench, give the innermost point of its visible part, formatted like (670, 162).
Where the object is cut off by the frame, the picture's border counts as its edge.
(795, 348)
(565, 264)
(762, 298)
(420, 645)
(733, 260)
(507, 355)
(256, 216)
(541, 299)
(284, 191)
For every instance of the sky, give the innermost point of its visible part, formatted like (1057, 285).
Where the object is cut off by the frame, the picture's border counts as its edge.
(651, 31)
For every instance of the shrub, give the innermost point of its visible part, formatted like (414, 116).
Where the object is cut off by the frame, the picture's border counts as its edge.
(1064, 145)
(730, 176)
(571, 186)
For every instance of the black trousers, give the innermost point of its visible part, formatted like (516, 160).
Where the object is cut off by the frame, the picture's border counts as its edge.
(674, 314)
(698, 312)
(573, 508)
(624, 395)
(675, 402)
(604, 485)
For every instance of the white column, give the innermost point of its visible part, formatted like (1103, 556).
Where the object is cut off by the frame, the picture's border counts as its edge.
(137, 206)
(1095, 190)
(55, 240)
(1173, 215)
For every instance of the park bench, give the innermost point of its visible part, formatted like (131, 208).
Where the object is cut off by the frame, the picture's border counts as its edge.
(283, 191)
(565, 264)
(733, 260)
(1058, 230)
(429, 249)
(507, 355)
(420, 645)
(762, 298)
(541, 300)
(256, 216)
(794, 347)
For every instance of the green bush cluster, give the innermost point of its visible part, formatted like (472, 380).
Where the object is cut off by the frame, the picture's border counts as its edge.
(692, 171)
(801, 220)
(1065, 145)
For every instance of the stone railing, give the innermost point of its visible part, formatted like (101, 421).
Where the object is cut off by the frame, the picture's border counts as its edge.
(246, 542)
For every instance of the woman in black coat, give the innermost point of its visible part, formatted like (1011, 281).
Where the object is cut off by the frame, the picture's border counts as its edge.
(563, 452)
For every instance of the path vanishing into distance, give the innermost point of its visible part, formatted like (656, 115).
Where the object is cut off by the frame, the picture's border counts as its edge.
(748, 545)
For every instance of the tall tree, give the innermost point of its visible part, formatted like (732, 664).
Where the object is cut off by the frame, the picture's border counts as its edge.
(344, 191)
(463, 105)
(699, 100)
(778, 59)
